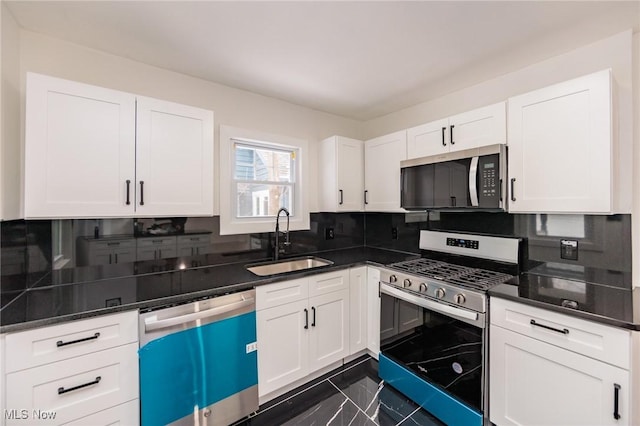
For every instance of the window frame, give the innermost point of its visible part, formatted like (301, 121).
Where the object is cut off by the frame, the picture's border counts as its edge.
(229, 223)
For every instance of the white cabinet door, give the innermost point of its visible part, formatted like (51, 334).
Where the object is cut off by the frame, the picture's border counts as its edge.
(480, 127)
(373, 311)
(382, 171)
(535, 383)
(283, 345)
(174, 155)
(560, 147)
(329, 328)
(358, 330)
(79, 150)
(350, 171)
(428, 139)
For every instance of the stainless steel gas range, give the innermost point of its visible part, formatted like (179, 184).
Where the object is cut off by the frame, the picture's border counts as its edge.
(433, 321)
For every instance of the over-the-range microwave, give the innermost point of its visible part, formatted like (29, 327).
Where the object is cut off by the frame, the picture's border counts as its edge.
(468, 179)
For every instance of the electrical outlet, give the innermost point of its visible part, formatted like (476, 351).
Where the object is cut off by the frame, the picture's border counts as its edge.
(252, 347)
(329, 234)
(394, 233)
(569, 249)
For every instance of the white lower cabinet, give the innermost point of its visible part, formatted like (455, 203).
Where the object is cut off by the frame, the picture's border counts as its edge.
(536, 381)
(302, 326)
(81, 372)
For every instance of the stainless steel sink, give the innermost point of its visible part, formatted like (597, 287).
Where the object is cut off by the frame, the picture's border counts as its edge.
(288, 265)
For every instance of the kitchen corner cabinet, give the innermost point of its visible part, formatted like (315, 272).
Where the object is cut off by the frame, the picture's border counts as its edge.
(382, 157)
(86, 372)
(96, 152)
(471, 129)
(302, 326)
(341, 168)
(577, 375)
(561, 148)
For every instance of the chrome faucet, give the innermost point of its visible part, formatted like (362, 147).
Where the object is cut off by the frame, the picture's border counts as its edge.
(286, 243)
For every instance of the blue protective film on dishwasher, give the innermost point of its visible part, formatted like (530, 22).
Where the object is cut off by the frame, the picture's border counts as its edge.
(186, 371)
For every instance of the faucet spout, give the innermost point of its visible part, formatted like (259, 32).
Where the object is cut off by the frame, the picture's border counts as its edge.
(286, 243)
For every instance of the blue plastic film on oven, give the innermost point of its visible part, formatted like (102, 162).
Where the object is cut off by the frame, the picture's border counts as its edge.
(433, 399)
(191, 369)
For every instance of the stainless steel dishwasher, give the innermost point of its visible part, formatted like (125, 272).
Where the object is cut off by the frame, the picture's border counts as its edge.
(198, 362)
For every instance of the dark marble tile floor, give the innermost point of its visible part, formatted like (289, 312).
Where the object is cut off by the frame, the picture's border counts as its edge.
(350, 395)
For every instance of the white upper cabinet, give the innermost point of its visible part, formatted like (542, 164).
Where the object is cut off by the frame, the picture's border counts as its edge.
(560, 148)
(90, 152)
(341, 174)
(382, 157)
(174, 154)
(479, 127)
(79, 150)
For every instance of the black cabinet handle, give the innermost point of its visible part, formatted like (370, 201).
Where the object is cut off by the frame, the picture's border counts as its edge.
(94, 382)
(444, 129)
(341, 197)
(116, 256)
(142, 193)
(513, 197)
(128, 186)
(453, 201)
(616, 401)
(500, 190)
(451, 134)
(557, 330)
(61, 343)
(109, 258)
(365, 196)
(306, 319)
(313, 323)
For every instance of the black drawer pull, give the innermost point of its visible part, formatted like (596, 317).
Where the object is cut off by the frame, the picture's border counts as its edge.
(313, 322)
(306, 319)
(95, 382)
(341, 197)
(513, 194)
(142, 193)
(451, 134)
(557, 330)
(443, 142)
(61, 343)
(365, 196)
(616, 401)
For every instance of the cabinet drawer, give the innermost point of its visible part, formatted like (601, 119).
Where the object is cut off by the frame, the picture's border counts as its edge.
(111, 245)
(189, 240)
(58, 342)
(608, 344)
(329, 282)
(157, 242)
(268, 296)
(76, 387)
(127, 414)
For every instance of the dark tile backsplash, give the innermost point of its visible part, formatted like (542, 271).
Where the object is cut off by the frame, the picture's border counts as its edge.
(26, 246)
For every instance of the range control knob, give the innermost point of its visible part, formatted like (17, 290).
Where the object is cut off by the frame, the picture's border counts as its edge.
(423, 288)
(440, 293)
(459, 299)
(407, 283)
(393, 279)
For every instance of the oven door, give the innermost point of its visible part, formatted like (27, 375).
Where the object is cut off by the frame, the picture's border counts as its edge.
(433, 353)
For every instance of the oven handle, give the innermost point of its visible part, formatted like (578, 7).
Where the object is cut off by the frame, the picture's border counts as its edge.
(426, 303)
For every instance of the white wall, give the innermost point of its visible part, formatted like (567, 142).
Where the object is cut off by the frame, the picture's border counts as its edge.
(619, 52)
(234, 107)
(10, 117)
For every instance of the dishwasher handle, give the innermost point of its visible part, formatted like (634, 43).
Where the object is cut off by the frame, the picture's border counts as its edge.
(152, 323)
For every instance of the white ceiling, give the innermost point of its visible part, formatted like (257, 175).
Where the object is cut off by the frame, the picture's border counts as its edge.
(355, 59)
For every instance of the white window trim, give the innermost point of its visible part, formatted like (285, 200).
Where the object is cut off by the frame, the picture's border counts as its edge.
(229, 224)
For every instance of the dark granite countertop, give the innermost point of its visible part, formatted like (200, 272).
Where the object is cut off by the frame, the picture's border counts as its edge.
(86, 292)
(605, 297)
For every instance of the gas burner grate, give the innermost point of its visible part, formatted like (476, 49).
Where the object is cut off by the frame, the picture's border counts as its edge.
(463, 276)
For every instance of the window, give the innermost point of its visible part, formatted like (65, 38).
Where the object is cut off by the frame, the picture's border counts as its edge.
(259, 174)
(264, 179)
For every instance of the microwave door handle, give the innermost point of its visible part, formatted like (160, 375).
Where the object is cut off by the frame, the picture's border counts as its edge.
(473, 181)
